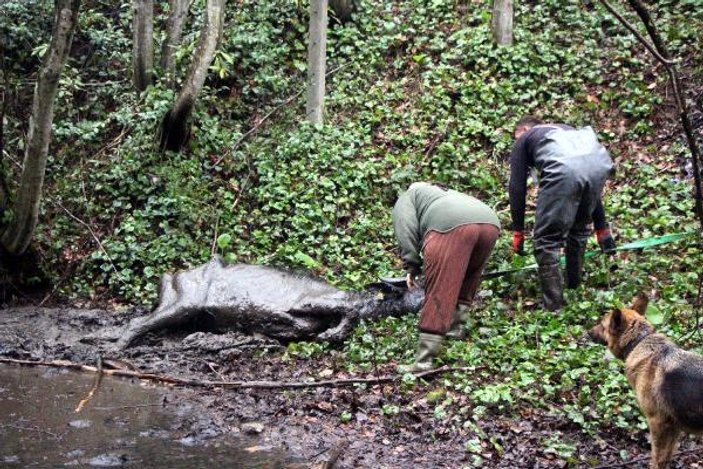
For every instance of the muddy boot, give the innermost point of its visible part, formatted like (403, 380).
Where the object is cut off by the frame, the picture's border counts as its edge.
(427, 350)
(574, 265)
(461, 316)
(552, 286)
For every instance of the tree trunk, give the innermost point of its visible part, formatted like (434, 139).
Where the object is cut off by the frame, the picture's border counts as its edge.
(317, 49)
(142, 43)
(4, 195)
(175, 126)
(18, 234)
(502, 22)
(174, 32)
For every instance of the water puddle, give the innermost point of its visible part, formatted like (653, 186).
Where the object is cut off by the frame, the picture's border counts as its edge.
(125, 424)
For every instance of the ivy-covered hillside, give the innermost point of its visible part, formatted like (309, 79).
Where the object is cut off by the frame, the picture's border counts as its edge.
(417, 91)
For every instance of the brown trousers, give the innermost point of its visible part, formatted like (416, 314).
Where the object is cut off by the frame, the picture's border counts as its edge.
(454, 261)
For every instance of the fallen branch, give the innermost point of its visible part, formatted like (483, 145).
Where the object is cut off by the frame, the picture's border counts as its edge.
(95, 387)
(647, 458)
(125, 407)
(115, 141)
(433, 144)
(32, 429)
(232, 384)
(97, 240)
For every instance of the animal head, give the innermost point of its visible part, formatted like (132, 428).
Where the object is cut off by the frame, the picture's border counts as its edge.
(618, 327)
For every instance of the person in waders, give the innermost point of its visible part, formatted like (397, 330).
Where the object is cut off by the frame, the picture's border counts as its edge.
(572, 168)
(455, 234)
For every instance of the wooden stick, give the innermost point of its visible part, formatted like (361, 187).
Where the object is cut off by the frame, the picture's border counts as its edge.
(95, 387)
(135, 406)
(233, 384)
(97, 240)
(31, 429)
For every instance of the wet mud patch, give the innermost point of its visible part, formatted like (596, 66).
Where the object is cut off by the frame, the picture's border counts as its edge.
(126, 424)
(380, 425)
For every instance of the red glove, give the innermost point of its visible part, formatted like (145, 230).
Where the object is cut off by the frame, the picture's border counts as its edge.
(518, 242)
(605, 240)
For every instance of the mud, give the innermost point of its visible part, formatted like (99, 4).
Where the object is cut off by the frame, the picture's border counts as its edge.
(388, 425)
(126, 424)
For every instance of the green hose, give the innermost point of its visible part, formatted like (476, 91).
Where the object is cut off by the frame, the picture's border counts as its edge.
(640, 244)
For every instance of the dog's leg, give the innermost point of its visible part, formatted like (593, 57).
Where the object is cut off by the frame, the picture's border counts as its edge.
(665, 437)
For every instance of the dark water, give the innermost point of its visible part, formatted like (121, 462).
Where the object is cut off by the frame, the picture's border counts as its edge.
(126, 424)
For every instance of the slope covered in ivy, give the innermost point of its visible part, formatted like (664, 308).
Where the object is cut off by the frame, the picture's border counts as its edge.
(416, 91)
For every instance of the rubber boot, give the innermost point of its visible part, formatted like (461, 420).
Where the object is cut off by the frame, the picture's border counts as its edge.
(461, 316)
(552, 287)
(574, 265)
(427, 349)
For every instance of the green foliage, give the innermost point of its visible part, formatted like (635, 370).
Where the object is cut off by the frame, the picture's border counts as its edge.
(345, 417)
(556, 445)
(306, 349)
(422, 93)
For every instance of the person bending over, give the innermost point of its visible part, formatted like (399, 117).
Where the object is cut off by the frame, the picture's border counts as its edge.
(572, 169)
(454, 234)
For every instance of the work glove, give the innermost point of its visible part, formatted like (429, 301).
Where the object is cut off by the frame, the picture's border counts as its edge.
(519, 242)
(605, 240)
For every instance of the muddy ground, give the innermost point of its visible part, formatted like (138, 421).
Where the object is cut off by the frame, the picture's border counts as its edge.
(308, 423)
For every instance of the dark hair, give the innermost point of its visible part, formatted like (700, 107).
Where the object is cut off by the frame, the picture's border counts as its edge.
(528, 121)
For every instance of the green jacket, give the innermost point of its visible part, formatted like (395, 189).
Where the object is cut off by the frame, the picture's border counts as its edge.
(424, 207)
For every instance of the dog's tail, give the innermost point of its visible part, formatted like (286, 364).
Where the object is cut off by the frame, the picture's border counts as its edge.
(640, 303)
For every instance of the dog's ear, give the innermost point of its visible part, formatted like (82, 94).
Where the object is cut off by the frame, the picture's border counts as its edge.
(640, 303)
(617, 322)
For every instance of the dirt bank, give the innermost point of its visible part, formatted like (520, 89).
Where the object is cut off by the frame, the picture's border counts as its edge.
(389, 425)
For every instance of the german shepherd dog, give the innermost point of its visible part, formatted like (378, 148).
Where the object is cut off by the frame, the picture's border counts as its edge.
(667, 380)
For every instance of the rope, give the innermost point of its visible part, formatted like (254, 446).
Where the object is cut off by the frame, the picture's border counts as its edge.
(633, 246)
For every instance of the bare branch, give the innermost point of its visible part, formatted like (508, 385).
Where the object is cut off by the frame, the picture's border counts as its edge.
(637, 34)
(256, 127)
(95, 237)
(660, 53)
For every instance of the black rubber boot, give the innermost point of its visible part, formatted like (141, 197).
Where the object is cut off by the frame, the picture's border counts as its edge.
(574, 265)
(552, 287)
(461, 316)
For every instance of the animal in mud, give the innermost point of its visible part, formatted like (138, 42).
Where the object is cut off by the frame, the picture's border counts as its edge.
(667, 380)
(265, 300)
